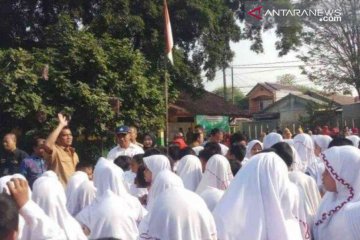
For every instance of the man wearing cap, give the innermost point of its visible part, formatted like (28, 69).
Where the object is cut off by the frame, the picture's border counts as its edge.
(125, 147)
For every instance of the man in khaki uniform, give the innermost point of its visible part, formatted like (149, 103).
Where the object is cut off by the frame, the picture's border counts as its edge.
(60, 156)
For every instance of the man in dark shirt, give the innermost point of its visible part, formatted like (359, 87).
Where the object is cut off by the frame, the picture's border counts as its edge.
(33, 166)
(12, 157)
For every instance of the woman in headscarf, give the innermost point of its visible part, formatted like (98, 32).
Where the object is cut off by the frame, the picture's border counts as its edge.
(190, 171)
(342, 182)
(211, 197)
(71, 190)
(309, 196)
(252, 148)
(179, 214)
(264, 184)
(49, 194)
(217, 174)
(114, 213)
(81, 198)
(149, 141)
(355, 140)
(304, 146)
(271, 139)
(154, 164)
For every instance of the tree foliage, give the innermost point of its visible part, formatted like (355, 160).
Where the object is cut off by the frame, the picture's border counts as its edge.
(286, 79)
(239, 98)
(333, 57)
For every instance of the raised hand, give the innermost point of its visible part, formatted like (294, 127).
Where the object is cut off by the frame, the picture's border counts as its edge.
(63, 121)
(19, 190)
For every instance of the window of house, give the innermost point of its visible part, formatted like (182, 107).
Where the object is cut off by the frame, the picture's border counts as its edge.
(265, 103)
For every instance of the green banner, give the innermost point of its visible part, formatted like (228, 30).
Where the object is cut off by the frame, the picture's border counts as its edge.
(210, 122)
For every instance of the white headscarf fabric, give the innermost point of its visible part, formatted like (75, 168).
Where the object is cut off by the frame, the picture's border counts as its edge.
(263, 183)
(355, 140)
(82, 197)
(304, 146)
(352, 216)
(343, 164)
(309, 199)
(211, 197)
(49, 194)
(180, 214)
(271, 139)
(165, 180)
(190, 171)
(322, 141)
(109, 217)
(250, 146)
(71, 188)
(157, 163)
(297, 164)
(217, 174)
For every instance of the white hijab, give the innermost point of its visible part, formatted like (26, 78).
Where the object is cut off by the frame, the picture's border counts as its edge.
(109, 217)
(352, 216)
(71, 188)
(190, 171)
(355, 140)
(297, 164)
(49, 194)
(250, 146)
(217, 174)
(264, 184)
(322, 141)
(271, 139)
(82, 197)
(165, 180)
(211, 197)
(156, 163)
(343, 164)
(180, 214)
(304, 146)
(309, 199)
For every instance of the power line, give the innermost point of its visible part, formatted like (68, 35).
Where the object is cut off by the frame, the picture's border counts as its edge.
(289, 66)
(268, 63)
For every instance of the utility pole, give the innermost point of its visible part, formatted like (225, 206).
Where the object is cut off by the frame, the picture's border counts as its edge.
(224, 79)
(232, 85)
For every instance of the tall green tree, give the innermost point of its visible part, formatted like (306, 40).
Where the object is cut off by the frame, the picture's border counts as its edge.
(333, 57)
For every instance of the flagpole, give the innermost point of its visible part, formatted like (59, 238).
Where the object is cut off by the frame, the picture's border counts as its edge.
(168, 55)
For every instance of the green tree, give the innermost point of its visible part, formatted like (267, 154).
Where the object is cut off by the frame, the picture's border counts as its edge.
(83, 77)
(286, 79)
(240, 99)
(333, 57)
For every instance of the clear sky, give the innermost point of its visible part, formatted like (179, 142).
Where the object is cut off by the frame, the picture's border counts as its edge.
(245, 79)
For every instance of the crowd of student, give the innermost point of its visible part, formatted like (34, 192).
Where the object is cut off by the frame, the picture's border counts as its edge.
(280, 187)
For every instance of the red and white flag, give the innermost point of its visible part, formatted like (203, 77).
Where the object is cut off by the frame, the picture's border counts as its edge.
(168, 34)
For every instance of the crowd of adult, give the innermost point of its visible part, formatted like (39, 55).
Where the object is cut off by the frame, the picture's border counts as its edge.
(280, 186)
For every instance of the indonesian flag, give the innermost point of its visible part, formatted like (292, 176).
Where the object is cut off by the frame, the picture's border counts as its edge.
(168, 34)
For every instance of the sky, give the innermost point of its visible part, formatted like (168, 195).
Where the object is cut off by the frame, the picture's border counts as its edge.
(245, 79)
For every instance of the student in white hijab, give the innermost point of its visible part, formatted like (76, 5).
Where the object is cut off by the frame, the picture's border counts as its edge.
(114, 212)
(355, 140)
(309, 196)
(321, 143)
(217, 174)
(342, 182)
(211, 197)
(179, 214)
(33, 223)
(49, 194)
(258, 204)
(81, 198)
(165, 180)
(71, 188)
(304, 146)
(154, 164)
(271, 139)
(252, 148)
(190, 171)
